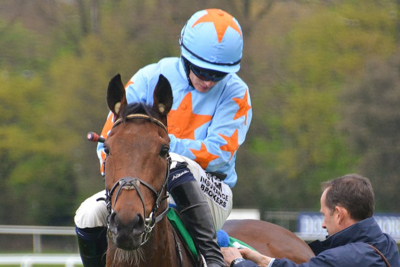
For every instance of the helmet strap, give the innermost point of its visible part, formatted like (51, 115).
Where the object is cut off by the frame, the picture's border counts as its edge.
(186, 65)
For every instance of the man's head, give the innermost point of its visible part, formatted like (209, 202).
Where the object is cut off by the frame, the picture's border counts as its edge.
(211, 47)
(345, 201)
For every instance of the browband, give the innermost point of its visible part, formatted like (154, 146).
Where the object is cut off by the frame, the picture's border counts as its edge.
(142, 116)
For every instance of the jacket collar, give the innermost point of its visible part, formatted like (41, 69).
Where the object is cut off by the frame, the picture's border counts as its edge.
(363, 231)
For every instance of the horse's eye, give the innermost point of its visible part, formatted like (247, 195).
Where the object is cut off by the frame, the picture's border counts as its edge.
(164, 151)
(106, 150)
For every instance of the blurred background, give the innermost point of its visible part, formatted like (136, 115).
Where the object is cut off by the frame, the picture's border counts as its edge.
(323, 77)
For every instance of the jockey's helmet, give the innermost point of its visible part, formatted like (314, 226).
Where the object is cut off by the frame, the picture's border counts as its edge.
(212, 39)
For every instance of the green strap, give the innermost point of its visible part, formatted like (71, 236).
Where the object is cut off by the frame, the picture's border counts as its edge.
(233, 242)
(178, 225)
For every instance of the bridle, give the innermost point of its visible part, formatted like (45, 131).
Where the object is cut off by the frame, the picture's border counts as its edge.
(131, 183)
(142, 116)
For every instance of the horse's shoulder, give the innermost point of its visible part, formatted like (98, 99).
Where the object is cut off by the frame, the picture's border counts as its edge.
(269, 239)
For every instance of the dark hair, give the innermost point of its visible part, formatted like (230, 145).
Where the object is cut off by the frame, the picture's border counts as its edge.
(352, 192)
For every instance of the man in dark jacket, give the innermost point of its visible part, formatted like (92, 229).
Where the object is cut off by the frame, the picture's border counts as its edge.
(355, 239)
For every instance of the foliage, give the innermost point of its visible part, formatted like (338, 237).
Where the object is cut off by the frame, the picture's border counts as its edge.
(47, 194)
(33, 166)
(318, 111)
(298, 140)
(20, 55)
(373, 124)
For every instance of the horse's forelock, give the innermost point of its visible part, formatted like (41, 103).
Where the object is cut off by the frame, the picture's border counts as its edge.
(139, 108)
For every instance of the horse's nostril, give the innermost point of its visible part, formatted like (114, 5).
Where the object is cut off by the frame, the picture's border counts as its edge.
(137, 224)
(134, 225)
(126, 234)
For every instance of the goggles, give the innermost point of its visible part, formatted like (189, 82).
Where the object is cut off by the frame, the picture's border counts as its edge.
(207, 75)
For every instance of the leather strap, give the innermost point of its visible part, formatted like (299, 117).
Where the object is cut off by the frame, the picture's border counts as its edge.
(380, 254)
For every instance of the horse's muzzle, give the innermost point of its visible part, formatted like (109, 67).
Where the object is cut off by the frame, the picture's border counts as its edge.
(128, 235)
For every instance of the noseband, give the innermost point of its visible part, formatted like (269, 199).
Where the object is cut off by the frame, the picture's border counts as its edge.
(131, 183)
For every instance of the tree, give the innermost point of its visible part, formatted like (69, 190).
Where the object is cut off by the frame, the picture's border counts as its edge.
(297, 139)
(372, 121)
(298, 58)
(32, 165)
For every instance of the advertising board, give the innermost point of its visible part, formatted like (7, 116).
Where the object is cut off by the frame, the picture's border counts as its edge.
(310, 224)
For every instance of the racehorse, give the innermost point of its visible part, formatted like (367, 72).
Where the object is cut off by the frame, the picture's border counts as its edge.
(136, 174)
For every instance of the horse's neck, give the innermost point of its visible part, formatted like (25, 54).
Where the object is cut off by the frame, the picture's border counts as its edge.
(162, 248)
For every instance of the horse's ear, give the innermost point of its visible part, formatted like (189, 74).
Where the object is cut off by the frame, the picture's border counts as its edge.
(116, 98)
(163, 96)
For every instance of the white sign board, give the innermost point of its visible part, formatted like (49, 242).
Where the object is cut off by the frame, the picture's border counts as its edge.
(310, 223)
(240, 214)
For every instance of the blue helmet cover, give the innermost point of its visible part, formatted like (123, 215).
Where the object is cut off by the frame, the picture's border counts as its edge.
(212, 39)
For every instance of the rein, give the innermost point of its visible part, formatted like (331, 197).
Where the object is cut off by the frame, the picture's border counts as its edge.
(131, 183)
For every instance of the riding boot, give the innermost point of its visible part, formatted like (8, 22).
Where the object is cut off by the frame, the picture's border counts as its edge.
(197, 218)
(92, 243)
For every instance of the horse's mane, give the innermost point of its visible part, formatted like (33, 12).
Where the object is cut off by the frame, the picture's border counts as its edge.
(139, 108)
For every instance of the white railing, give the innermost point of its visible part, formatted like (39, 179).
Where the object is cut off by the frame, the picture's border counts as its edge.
(28, 260)
(36, 232)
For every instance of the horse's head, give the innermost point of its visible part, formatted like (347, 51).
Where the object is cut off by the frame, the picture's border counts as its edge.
(137, 164)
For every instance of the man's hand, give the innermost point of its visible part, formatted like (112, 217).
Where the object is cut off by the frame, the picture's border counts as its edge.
(230, 254)
(255, 256)
(233, 253)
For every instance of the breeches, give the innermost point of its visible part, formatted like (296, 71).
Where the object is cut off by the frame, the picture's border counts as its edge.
(92, 213)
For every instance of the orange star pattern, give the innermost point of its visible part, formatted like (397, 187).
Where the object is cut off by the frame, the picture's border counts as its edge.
(232, 143)
(243, 107)
(221, 22)
(203, 157)
(128, 83)
(182, 122)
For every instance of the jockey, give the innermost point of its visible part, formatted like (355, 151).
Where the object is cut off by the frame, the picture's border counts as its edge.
(209, 120)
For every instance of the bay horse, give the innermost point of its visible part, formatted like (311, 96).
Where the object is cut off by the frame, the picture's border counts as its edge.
(136, 175)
